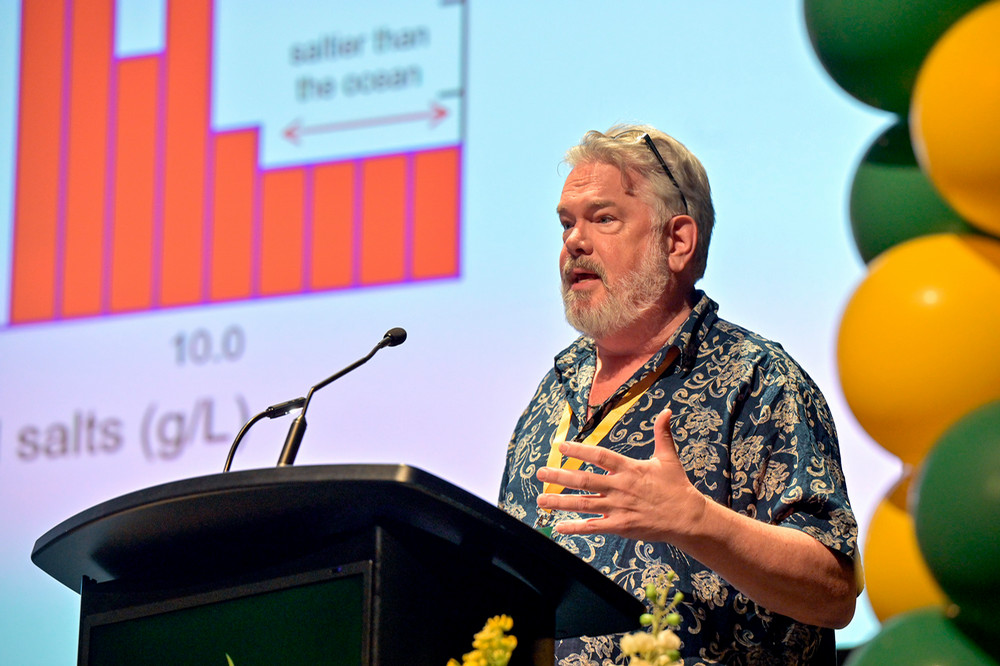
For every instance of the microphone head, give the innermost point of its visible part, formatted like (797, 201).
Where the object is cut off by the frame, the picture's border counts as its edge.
(395, 336)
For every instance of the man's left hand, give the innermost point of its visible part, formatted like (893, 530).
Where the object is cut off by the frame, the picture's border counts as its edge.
(649, 499)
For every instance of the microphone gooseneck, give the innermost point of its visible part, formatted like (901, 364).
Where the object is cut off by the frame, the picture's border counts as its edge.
(392, 338)
(272, 412)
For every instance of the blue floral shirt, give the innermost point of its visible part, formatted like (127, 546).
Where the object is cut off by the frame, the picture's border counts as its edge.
(753, 432)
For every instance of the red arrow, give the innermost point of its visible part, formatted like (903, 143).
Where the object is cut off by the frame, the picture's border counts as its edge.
(296, 130)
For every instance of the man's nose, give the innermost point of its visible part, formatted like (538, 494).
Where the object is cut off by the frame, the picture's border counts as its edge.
(577, 240)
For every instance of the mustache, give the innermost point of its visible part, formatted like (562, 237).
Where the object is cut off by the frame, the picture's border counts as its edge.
(584, 264)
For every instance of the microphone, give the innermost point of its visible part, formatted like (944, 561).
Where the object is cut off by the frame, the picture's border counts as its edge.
(392, 338)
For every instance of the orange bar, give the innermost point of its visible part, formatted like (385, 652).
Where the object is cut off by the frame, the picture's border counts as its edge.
(36, 208)
(188, 52)
(86, 173)
(281, 251)
(232, 215)
(435, 213)
(333, 225)
(383, 225)
(135, 181)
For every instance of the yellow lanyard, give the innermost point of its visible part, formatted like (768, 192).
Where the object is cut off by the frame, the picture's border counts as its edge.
(635, 392)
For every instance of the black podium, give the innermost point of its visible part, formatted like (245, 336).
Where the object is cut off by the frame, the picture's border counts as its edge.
(339, 564)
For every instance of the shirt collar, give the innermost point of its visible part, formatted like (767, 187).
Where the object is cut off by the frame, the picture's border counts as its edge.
(689, 335)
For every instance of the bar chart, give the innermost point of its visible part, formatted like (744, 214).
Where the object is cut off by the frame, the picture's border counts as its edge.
(128, 199)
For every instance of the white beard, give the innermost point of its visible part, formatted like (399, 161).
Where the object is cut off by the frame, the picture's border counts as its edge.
(625, 301)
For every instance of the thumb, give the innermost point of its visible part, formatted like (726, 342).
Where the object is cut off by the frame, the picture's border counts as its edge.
(663, 441)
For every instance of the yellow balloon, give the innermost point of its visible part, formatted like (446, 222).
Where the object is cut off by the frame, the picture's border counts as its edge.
(896, 576)
(919, 341)
(955, 116)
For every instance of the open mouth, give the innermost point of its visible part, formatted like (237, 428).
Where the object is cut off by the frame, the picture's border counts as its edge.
(579, 275)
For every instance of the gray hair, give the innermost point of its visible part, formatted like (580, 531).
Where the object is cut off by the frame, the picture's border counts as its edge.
(623, 146)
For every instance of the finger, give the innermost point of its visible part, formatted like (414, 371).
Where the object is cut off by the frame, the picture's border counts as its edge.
(582, 526)
(576, 479)
(588, 503)
(663, 440)
(596, 455)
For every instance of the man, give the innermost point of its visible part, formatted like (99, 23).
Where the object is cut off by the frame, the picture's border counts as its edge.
(682, 442)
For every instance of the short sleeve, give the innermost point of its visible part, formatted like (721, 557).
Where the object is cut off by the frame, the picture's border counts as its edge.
(786, 447)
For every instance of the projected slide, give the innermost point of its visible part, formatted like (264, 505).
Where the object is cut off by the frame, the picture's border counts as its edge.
(209, 206)
(231, 151)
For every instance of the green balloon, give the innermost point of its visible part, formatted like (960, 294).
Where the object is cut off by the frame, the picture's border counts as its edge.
(957, 519)
(919, 638)
(893, 201)
(873, 49)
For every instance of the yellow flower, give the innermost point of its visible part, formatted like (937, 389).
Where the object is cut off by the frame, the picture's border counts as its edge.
(638, 643)
(667, 640)
(492, 647)
(659, 646)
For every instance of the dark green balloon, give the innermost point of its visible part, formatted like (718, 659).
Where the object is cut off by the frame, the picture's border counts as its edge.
(873, 49)
(957, 518)
(920, 638)
(893, 201)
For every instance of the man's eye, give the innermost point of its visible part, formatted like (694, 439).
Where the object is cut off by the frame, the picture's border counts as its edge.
(566, 225)
(604, 219)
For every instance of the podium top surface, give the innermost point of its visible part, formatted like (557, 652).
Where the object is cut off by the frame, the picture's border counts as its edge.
(174, 527)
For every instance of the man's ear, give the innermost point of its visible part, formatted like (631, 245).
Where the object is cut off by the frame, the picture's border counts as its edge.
(681, 238)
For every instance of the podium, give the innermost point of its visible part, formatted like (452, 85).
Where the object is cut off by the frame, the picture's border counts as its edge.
(330, 564)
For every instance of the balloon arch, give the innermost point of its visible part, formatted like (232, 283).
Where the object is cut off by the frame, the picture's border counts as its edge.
(918, 348)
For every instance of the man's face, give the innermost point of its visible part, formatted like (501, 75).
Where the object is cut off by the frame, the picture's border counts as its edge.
(613, 268)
